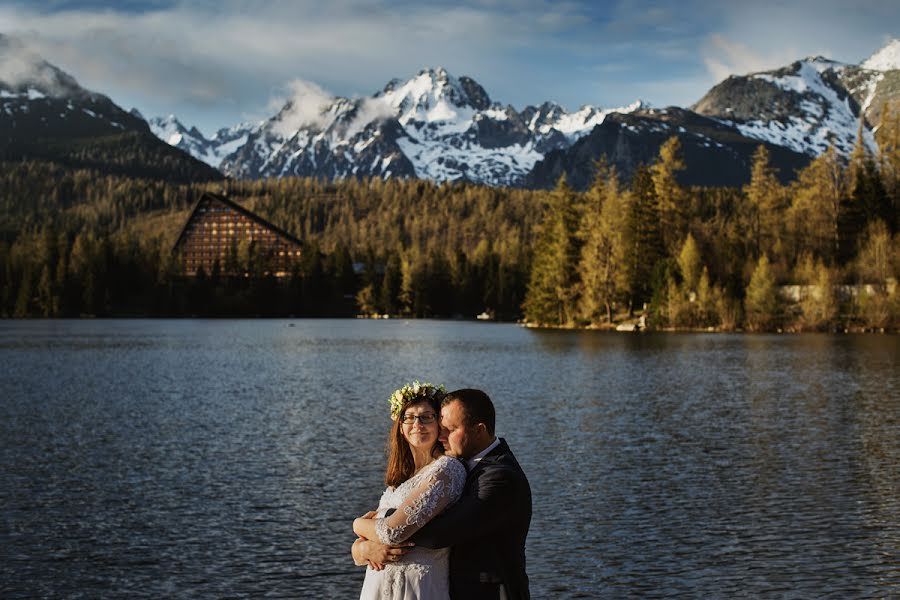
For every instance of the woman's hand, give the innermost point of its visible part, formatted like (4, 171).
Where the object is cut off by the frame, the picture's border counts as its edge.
(376, 554)
(363, 526)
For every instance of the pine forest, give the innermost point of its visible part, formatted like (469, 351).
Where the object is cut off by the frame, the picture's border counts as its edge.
(820, 253)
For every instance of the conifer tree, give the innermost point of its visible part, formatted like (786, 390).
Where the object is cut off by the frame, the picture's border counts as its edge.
(761, 299)
(551, 288)
(866, 201)
(690, 264)
(23, 306)
(875, 260)
(601, 268)
(819, 304)
(888, 138)
(642, 239)
(764, 196)
(670, 195)
(815, 211)
(710, 302)
(391, 285)
(47, 299)
(365, 300)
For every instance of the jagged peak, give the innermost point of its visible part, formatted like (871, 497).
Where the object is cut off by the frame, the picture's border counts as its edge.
(636, 106)
(21, 69)
(822, 64)
(433, 86)
(169, 118)
(885, 59)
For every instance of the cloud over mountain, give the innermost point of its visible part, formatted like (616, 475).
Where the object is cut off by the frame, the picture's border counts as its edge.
(218, 62)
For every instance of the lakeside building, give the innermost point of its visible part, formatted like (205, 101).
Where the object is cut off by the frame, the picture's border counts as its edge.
(221, 234)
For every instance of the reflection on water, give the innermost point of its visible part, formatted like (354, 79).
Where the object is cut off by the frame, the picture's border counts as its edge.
(209, 459)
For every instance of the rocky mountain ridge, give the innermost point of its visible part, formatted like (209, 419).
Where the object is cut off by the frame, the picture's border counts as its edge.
(806, 106)
(45, 114)
(433, 126)
(440, 127)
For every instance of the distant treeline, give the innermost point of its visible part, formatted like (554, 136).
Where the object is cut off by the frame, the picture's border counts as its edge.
(705, 258)
(80, 243)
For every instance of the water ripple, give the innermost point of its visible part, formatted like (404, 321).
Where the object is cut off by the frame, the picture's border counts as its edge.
(210, 459)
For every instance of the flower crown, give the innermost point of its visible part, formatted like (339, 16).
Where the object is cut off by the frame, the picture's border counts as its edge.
(412, 393)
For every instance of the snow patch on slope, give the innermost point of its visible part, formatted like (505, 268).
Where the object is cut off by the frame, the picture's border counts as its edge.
(442, 134)
(886, 59)
(827, 118)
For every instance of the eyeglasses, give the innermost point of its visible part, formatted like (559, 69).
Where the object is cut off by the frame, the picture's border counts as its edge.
(424, 419)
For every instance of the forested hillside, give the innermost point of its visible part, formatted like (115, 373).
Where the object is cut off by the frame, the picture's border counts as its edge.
(76, 242)
(717, 257)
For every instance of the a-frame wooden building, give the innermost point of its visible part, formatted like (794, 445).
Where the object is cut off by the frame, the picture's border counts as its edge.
(219, 230)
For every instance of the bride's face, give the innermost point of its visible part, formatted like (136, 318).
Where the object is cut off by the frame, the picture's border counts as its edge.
(420, 425)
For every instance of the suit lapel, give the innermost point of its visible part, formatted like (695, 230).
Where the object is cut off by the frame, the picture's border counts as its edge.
(490, 458)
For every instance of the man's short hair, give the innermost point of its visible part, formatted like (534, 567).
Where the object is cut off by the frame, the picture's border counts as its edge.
(477, 407)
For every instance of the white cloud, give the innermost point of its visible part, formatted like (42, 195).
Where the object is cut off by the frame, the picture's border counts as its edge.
(20, 66)
(210, 61)
(370, 109)
(17, 65)
(304, 107)
(724, 57)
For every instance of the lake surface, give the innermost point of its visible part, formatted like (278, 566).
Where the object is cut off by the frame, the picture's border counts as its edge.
(212, 459)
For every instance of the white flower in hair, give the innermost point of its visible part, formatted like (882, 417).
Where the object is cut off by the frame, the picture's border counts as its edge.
(412, 392)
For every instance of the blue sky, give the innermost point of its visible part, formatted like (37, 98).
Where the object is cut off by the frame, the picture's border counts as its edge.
(217, 63)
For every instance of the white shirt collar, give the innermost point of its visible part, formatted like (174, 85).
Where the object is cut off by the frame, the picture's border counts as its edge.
(472, 462)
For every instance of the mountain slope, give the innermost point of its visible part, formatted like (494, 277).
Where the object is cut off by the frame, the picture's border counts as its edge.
(810, 104)
(716, 154)
(436, 126)
(46, 115)
(432, 126)
(211, 151)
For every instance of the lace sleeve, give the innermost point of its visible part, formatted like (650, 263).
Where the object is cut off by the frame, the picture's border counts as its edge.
(439, 488)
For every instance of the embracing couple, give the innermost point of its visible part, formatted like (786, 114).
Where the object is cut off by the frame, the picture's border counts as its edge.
(453, 520)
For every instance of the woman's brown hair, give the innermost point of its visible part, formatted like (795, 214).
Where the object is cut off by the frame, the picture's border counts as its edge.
(400, 465)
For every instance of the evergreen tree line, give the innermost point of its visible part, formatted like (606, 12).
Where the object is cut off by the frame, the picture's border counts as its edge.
(79, 243)
(76, 242)
(821, 252)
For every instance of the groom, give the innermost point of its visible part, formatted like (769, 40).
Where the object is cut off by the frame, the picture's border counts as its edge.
(486, 529)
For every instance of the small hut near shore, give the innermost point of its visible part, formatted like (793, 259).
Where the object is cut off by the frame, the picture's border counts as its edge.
(224, 236)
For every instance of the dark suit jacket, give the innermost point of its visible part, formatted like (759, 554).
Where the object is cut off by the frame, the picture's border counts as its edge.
(486, 530)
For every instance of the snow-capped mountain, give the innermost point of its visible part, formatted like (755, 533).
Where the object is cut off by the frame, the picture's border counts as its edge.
(810, 104)
(886, 59)
(211, 151)
(433, 126)
(30, 87)
(715, 152)
(441, 127)
(45, 114)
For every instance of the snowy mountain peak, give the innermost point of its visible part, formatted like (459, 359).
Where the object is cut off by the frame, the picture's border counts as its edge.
(886, 59)
(432, 95)
(821, 64)
(169, 129)
(24, 72)
(433, 125)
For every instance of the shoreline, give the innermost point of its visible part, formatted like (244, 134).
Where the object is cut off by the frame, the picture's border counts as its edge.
(613, 328)
(602, 328)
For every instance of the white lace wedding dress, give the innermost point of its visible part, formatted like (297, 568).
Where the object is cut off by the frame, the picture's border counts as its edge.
(421, 574)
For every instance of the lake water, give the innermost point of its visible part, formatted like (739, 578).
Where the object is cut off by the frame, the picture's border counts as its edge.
(214, 459)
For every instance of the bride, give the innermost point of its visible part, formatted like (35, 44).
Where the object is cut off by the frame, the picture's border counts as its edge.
(421, 482)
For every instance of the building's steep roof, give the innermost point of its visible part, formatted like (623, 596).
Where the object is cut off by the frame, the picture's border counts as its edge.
(209, 196)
